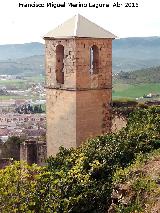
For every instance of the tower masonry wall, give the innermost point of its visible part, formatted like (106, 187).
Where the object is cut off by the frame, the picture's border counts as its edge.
(79, 108)
(103, 77)
(94, 91)
(93, 114)
(69, 63)
(61, 120)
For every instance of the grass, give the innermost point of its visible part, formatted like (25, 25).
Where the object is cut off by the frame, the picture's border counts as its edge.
(13, 81)
(5, 97)
(36, 79)
(134, 91)
(8, 97)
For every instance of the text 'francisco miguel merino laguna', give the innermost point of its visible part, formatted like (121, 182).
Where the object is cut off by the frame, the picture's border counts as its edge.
(64, 4)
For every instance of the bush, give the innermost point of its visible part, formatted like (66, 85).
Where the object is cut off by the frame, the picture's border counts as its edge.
(84, 175)
(18, 187)
(80, 180)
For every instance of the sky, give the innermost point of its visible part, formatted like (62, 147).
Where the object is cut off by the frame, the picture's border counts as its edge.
(24, 25)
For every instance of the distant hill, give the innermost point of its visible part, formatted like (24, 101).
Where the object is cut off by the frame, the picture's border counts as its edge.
(148, 75)
(145, 47)
(128, 54)
(33, 65)
(14, 51)
(135, 53)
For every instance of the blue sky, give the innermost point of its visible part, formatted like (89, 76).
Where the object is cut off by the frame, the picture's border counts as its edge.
(21, 25)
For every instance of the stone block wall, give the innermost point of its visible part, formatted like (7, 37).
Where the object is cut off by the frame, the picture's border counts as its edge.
(118, 122)
(79, 108)
(69, 63)
(41, 153)
(28, 152)
(77, 63)
(33, 151)
(102, 79)
(93, 114)
(61, 119)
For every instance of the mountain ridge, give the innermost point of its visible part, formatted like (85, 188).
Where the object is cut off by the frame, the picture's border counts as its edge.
(15, 51)
(129, 54)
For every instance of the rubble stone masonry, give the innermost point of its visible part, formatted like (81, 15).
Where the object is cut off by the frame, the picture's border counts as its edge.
(79, 107)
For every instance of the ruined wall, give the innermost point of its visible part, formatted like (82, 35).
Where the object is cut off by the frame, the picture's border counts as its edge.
(28, 152)
(10, 149)
(41, 153)
(5, 162)
(33, 151)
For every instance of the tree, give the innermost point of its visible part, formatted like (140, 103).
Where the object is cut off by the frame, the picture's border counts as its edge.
(18, 188)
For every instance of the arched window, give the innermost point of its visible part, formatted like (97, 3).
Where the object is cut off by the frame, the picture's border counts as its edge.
(60, 64)
(94, 59)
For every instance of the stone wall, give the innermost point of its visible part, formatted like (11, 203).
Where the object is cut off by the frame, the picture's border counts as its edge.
(93, 114)
(80, 107)
(69, 63)
(41, 153)
(33, 151)
(28, 152)
(61, 119)
(103, 78)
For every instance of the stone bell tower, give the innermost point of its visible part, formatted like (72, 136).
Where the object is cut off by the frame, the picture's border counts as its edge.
(78, 83)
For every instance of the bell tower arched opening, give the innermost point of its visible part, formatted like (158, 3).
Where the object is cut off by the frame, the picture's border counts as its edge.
(59, 64)
(94, 59)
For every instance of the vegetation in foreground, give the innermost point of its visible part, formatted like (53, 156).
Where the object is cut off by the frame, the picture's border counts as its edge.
(83, 179)
(137, 187)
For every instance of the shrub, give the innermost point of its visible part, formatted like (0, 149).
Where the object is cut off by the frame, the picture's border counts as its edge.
(80, 180)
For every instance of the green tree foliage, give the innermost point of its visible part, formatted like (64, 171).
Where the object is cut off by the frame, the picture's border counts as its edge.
(18, 188)
(27, 109)
(81, 180)
(84, 175)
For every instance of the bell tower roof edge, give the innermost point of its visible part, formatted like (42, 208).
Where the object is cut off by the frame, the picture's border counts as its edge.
(79, 26)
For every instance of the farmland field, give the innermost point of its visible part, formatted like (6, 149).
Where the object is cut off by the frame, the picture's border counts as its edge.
(134, 90)
(120, 89)
(21, 83)
(26, 88)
